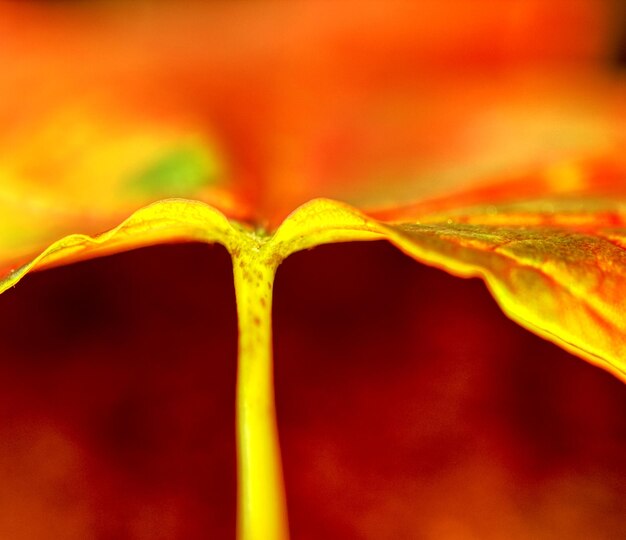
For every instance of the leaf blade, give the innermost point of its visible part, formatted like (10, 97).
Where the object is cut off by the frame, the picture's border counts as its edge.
(560, 275)
(554, 300)
(561, 282)
(169, 220)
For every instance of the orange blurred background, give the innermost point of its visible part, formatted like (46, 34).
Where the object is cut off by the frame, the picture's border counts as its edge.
(408, 405)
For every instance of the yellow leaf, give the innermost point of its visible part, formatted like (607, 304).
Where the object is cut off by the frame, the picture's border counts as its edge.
(513, 177)
(557, 270)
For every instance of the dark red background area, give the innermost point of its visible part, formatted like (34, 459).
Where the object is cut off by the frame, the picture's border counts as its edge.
(408, 405)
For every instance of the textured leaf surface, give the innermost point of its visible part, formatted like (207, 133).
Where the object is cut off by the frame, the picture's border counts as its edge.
(557, 267)
(561, 278)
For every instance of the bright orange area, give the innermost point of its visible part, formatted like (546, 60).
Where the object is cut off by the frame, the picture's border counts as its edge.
(370, 103)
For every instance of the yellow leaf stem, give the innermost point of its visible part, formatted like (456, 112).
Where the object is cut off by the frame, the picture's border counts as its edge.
(261, 512)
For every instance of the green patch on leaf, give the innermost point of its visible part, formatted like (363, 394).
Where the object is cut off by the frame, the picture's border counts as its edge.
(181, 172)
